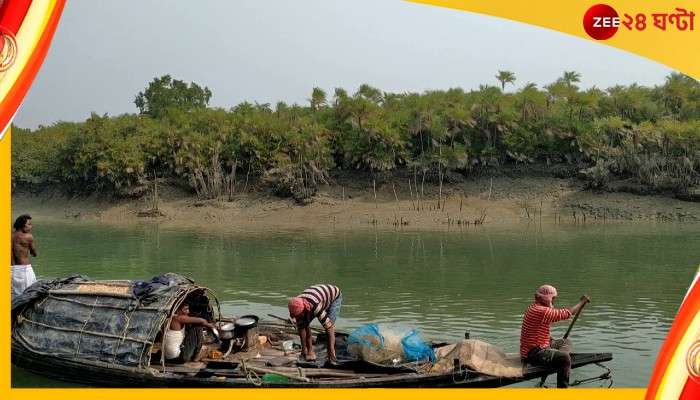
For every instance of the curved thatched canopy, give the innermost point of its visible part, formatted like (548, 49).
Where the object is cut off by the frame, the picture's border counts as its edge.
(114, 322)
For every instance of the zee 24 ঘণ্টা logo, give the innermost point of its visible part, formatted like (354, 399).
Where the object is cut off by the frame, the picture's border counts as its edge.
(693, 361)
(8, 49)
(602, 22)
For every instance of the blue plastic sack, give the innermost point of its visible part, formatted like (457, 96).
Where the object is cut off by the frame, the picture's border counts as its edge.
(367, 335)
(374, 346)
(415, 348)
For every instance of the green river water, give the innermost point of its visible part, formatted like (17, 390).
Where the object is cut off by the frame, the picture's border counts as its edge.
(477, 279)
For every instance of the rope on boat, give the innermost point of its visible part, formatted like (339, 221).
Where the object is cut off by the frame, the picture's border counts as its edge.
(142, 341)
(128, 313)
(80, 336)
(251, 376)
(74, 301)
(605, 376)
(460, 370)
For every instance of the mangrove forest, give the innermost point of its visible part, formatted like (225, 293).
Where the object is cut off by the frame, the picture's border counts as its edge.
(648, 136)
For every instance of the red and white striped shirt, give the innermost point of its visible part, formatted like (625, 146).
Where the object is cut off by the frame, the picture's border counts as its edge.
(535, 330)
(321, 297)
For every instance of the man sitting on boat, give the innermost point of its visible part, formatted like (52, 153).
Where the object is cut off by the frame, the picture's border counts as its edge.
(181, 345)
(321, 301)
(536, 345)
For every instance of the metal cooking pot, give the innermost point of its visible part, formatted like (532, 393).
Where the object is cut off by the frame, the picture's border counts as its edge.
(226, 330)
(215, 332)
(246, 322)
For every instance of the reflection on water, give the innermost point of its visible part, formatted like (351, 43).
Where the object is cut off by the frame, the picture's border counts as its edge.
(445, 283)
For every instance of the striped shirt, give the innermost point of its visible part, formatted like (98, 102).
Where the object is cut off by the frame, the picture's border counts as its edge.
(321, 297)
(535, 330)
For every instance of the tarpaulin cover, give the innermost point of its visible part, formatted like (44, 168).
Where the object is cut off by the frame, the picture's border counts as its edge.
(478, 356)
(103, 321)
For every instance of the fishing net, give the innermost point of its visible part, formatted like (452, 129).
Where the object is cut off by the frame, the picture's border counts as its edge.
(389, 346)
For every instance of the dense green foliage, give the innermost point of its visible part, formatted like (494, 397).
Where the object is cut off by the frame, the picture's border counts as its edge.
(650, 135)
(165, 92)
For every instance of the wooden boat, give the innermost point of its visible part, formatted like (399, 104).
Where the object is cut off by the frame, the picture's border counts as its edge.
(108, 334)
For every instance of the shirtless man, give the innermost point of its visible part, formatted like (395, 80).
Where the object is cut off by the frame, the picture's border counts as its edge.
(22, 246)
(175, 335)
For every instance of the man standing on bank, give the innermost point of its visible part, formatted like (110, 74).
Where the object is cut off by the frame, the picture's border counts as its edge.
(536, 344)
(321, 301)
(22, 246)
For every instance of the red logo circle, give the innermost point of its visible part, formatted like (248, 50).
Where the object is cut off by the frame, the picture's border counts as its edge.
(601, 22)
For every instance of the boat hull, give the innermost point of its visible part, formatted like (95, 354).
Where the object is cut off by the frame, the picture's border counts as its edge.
(97, 374)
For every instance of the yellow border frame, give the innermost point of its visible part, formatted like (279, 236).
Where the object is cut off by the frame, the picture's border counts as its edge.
(679, 50)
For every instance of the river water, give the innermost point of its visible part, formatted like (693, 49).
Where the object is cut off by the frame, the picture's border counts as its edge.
(444, 283)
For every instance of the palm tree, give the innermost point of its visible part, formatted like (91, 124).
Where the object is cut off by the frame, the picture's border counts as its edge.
(677, 90)
(531, 101)
(505, 77)
(370, 93)
(571, 77)
(339, 95)
(318, 98)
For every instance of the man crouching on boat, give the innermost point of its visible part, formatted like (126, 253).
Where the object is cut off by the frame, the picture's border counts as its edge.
(536, 345)
(179, 345)
(322, 302)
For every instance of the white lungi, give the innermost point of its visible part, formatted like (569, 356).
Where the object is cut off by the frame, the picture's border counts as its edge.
(172, 343)
(22, 277)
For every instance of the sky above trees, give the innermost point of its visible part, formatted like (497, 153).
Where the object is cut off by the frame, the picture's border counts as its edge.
(265, 51)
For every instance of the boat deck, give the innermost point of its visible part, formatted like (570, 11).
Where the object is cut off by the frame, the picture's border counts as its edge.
(269, 364)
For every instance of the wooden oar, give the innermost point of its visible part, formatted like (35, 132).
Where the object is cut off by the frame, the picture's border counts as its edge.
(568, 331)
(566, 335)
